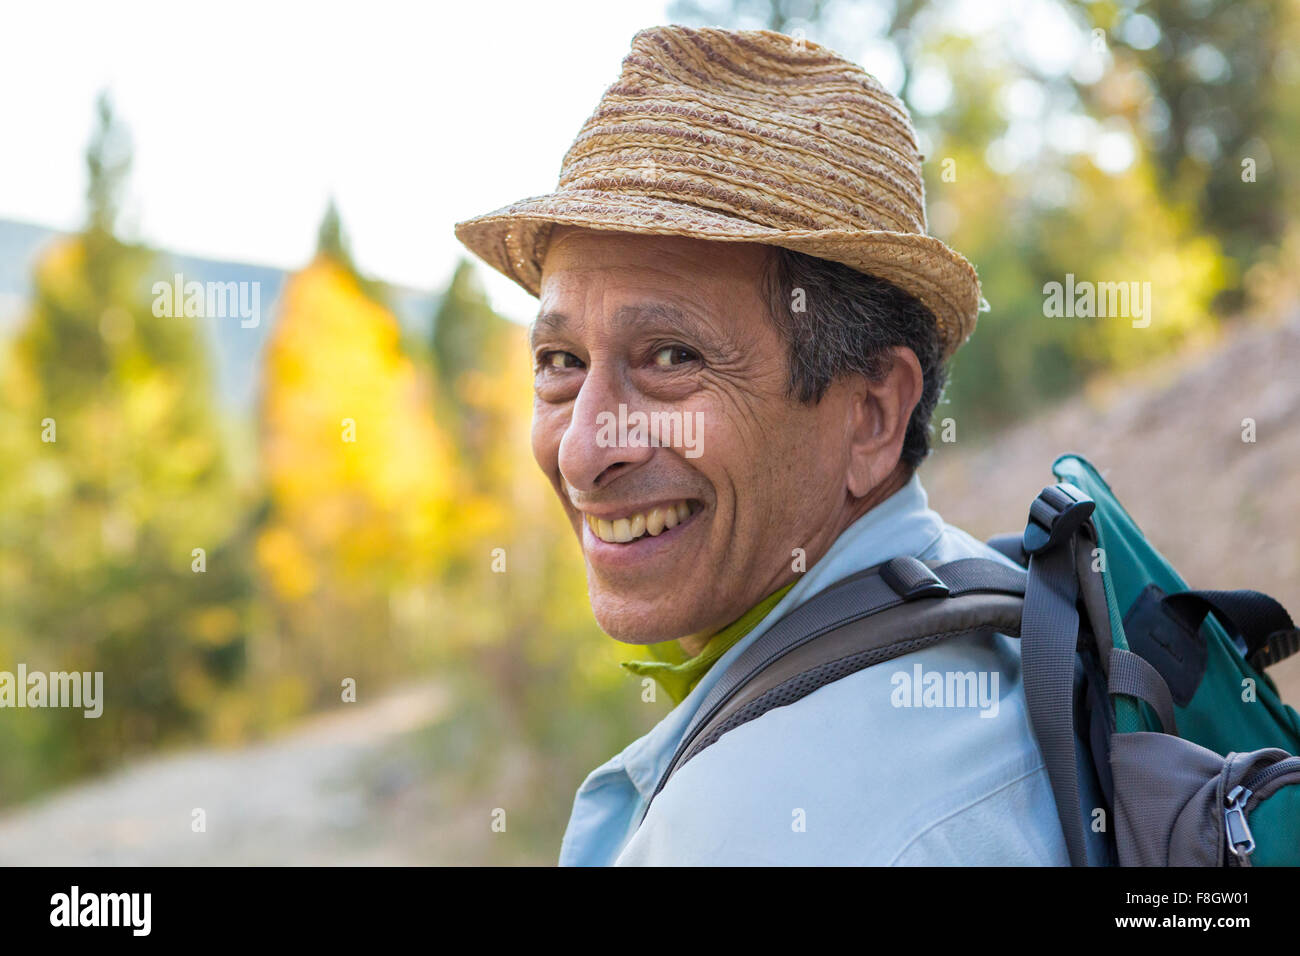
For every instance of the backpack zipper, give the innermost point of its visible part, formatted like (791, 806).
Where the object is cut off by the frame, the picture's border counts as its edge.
(1241, 841)
(1260, 777)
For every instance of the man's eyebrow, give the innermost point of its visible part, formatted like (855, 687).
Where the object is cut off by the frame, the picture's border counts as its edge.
(548, 323)
(652, 317)
(651, 314)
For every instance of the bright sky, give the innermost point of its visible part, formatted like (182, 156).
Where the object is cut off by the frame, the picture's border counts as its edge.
(247, 116)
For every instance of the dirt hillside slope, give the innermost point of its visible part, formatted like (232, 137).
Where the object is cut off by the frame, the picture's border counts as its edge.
(1169, 441)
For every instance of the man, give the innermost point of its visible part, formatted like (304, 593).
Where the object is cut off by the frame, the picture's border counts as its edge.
(737, 251)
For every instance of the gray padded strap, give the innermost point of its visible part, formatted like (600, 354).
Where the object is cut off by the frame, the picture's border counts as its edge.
(1131, 674)
(853, 599)
(1092, 590)
(1049, 633)
(858, 645)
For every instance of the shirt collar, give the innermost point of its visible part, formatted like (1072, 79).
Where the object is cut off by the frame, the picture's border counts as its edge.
(677, 674)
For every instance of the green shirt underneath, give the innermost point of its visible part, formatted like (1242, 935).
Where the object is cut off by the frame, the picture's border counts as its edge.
(677, 674)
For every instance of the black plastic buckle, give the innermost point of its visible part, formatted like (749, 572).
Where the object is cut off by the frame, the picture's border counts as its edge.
(910, 578)
(1056, 514)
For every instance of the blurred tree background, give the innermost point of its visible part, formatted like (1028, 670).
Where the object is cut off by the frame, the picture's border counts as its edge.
(393, 525)
(1115, 141)
(113, 471)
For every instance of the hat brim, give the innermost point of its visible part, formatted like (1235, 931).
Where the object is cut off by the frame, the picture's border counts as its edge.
(513, 241)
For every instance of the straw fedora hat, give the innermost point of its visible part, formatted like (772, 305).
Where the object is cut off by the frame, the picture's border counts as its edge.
(746, 136)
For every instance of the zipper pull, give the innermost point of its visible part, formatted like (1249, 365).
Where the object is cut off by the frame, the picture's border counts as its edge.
(1240, 840)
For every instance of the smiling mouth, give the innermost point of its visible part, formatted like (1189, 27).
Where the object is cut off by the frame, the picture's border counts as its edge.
(635, 526)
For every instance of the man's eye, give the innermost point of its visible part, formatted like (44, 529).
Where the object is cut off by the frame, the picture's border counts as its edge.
(560, 360)
(671, 355)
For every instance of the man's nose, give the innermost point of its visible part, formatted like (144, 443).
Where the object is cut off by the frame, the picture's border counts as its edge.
(594, 449)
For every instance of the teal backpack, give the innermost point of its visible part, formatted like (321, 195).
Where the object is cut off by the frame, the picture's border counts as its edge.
(1187, 740)
(1165, 742)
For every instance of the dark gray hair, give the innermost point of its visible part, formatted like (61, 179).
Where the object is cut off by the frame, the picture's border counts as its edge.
(848, 321)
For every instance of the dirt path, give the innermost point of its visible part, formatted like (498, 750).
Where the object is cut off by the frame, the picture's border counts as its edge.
(330, 791)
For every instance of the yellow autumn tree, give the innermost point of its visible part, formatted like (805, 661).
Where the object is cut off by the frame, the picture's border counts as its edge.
(361, 481)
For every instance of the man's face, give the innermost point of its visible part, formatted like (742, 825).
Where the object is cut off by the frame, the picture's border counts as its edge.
(674, 325)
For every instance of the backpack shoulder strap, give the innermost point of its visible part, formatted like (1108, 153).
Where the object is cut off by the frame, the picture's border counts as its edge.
(870, 617)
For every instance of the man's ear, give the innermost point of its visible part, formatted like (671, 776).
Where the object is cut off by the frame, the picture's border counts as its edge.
(878, 420)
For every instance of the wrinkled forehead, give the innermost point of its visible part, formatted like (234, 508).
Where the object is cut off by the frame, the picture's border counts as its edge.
(649, 279)
(571, 248)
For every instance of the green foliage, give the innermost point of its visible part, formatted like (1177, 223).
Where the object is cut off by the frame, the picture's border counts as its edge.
(1015, 183)
(1219, 78)
(467, 334)
(332, 243)
(330, 240)
(468, 343)
(108, 162)
(112, 475)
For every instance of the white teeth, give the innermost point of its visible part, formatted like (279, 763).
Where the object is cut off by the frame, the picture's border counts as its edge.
(654, 522)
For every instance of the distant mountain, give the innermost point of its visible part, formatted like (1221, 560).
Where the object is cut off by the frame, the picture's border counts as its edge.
(236, 351)
(20, 244)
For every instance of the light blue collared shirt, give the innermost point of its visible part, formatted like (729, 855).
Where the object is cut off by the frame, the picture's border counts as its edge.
(846, 775)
